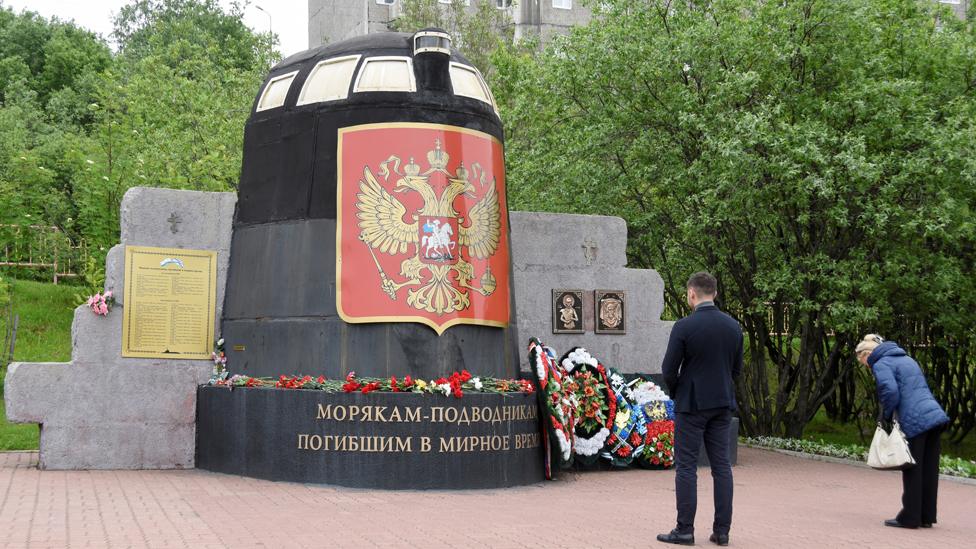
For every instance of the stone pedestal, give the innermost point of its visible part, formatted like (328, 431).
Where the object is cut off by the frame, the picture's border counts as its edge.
(586, 252)
(102, 411)
(377, 440)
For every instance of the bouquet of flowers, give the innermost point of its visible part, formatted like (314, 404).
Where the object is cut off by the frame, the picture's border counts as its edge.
(101, 304)
(658, 450)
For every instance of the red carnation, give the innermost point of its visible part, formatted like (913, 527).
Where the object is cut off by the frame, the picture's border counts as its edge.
(371, 386)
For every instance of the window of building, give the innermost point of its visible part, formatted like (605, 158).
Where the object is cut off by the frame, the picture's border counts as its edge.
(467, 81)
(503, 4)
(386, 2)
(466, 2)
(329, 80)
(563, 4)
(386, 74)
(275, 92)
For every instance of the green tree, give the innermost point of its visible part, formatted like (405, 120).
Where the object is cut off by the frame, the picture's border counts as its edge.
(817, 156)
(171, 111)
(79, 125)
(48, 71)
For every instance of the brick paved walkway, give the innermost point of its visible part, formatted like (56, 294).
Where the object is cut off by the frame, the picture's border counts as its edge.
(780, 502)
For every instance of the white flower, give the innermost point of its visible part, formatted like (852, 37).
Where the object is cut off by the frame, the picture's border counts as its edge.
(592, 445)
(647, 392)
(540, 367)
(686, 68)
(564, 445)
(220, 342)
(617, 380)
(477, 383)
(445, 388)
(89, 162)
(578, 356)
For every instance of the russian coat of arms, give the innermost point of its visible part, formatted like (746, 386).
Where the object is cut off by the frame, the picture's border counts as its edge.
(422, 226)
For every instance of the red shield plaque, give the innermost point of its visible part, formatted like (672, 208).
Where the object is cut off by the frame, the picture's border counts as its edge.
(422, 226)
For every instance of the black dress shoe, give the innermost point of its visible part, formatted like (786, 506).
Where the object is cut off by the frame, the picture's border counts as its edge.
(719, 539)
(895, 524)
(678, 539)
(926, 525)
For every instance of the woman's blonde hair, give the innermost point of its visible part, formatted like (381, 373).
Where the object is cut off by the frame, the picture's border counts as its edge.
(868, 344)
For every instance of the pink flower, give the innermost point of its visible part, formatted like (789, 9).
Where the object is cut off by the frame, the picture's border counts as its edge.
(108, 295)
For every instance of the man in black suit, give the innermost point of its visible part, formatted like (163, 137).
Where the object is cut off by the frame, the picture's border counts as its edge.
(704, 356)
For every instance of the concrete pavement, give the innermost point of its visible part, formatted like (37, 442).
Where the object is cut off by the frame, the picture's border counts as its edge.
(781, 501)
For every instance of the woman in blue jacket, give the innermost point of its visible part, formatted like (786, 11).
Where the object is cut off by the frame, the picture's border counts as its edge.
(902, 389)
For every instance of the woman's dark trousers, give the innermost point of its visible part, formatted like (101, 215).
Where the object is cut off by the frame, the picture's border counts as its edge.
(921, 482)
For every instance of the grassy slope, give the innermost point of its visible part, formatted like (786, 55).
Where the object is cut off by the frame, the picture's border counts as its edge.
(43, 335)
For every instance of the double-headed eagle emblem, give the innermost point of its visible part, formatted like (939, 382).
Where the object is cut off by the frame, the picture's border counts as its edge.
(437, 275)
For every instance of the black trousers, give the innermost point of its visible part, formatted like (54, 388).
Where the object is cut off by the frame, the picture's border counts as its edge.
(920, 484)
(689, 430)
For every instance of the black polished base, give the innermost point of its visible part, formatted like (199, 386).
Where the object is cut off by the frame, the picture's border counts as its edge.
(375, 440)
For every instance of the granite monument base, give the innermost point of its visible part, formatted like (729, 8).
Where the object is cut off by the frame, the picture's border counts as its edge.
(374, 440)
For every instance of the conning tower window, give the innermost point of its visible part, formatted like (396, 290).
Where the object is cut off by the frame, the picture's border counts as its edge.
(436, 41)
(467, 81)
(386, 74)
(329, 80)
(275, 92)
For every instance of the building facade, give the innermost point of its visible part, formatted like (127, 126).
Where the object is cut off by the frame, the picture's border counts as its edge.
(331, 21)
(959, 7)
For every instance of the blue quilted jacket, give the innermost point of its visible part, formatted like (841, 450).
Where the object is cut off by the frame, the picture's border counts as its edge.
(902, 387)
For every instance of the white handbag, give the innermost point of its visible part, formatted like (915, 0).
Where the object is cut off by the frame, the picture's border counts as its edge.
(889, 451)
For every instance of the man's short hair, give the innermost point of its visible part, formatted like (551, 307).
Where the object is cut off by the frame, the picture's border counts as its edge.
(703, 283)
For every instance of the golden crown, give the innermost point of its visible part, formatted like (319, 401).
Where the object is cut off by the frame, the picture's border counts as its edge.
(437, 158)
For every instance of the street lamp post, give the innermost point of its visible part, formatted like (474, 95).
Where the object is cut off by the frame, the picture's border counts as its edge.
(262, 10)
(270, 32)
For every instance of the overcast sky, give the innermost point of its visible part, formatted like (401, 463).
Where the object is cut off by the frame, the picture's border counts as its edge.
(289, 18)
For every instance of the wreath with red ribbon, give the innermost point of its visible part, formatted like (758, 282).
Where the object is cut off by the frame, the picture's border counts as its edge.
(558, 406)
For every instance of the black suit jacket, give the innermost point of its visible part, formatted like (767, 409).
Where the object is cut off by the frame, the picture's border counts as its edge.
(703, 359)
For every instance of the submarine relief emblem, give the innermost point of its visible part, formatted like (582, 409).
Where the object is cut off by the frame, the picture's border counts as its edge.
(423, 226)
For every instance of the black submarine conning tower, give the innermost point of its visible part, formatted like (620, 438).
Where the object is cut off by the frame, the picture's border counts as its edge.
(280, 311)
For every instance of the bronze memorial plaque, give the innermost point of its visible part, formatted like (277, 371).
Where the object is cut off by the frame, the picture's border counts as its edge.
(610, 309)
(567, 311)
(170, 302)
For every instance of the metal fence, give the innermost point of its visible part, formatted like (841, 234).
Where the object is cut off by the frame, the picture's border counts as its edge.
(41, 247)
